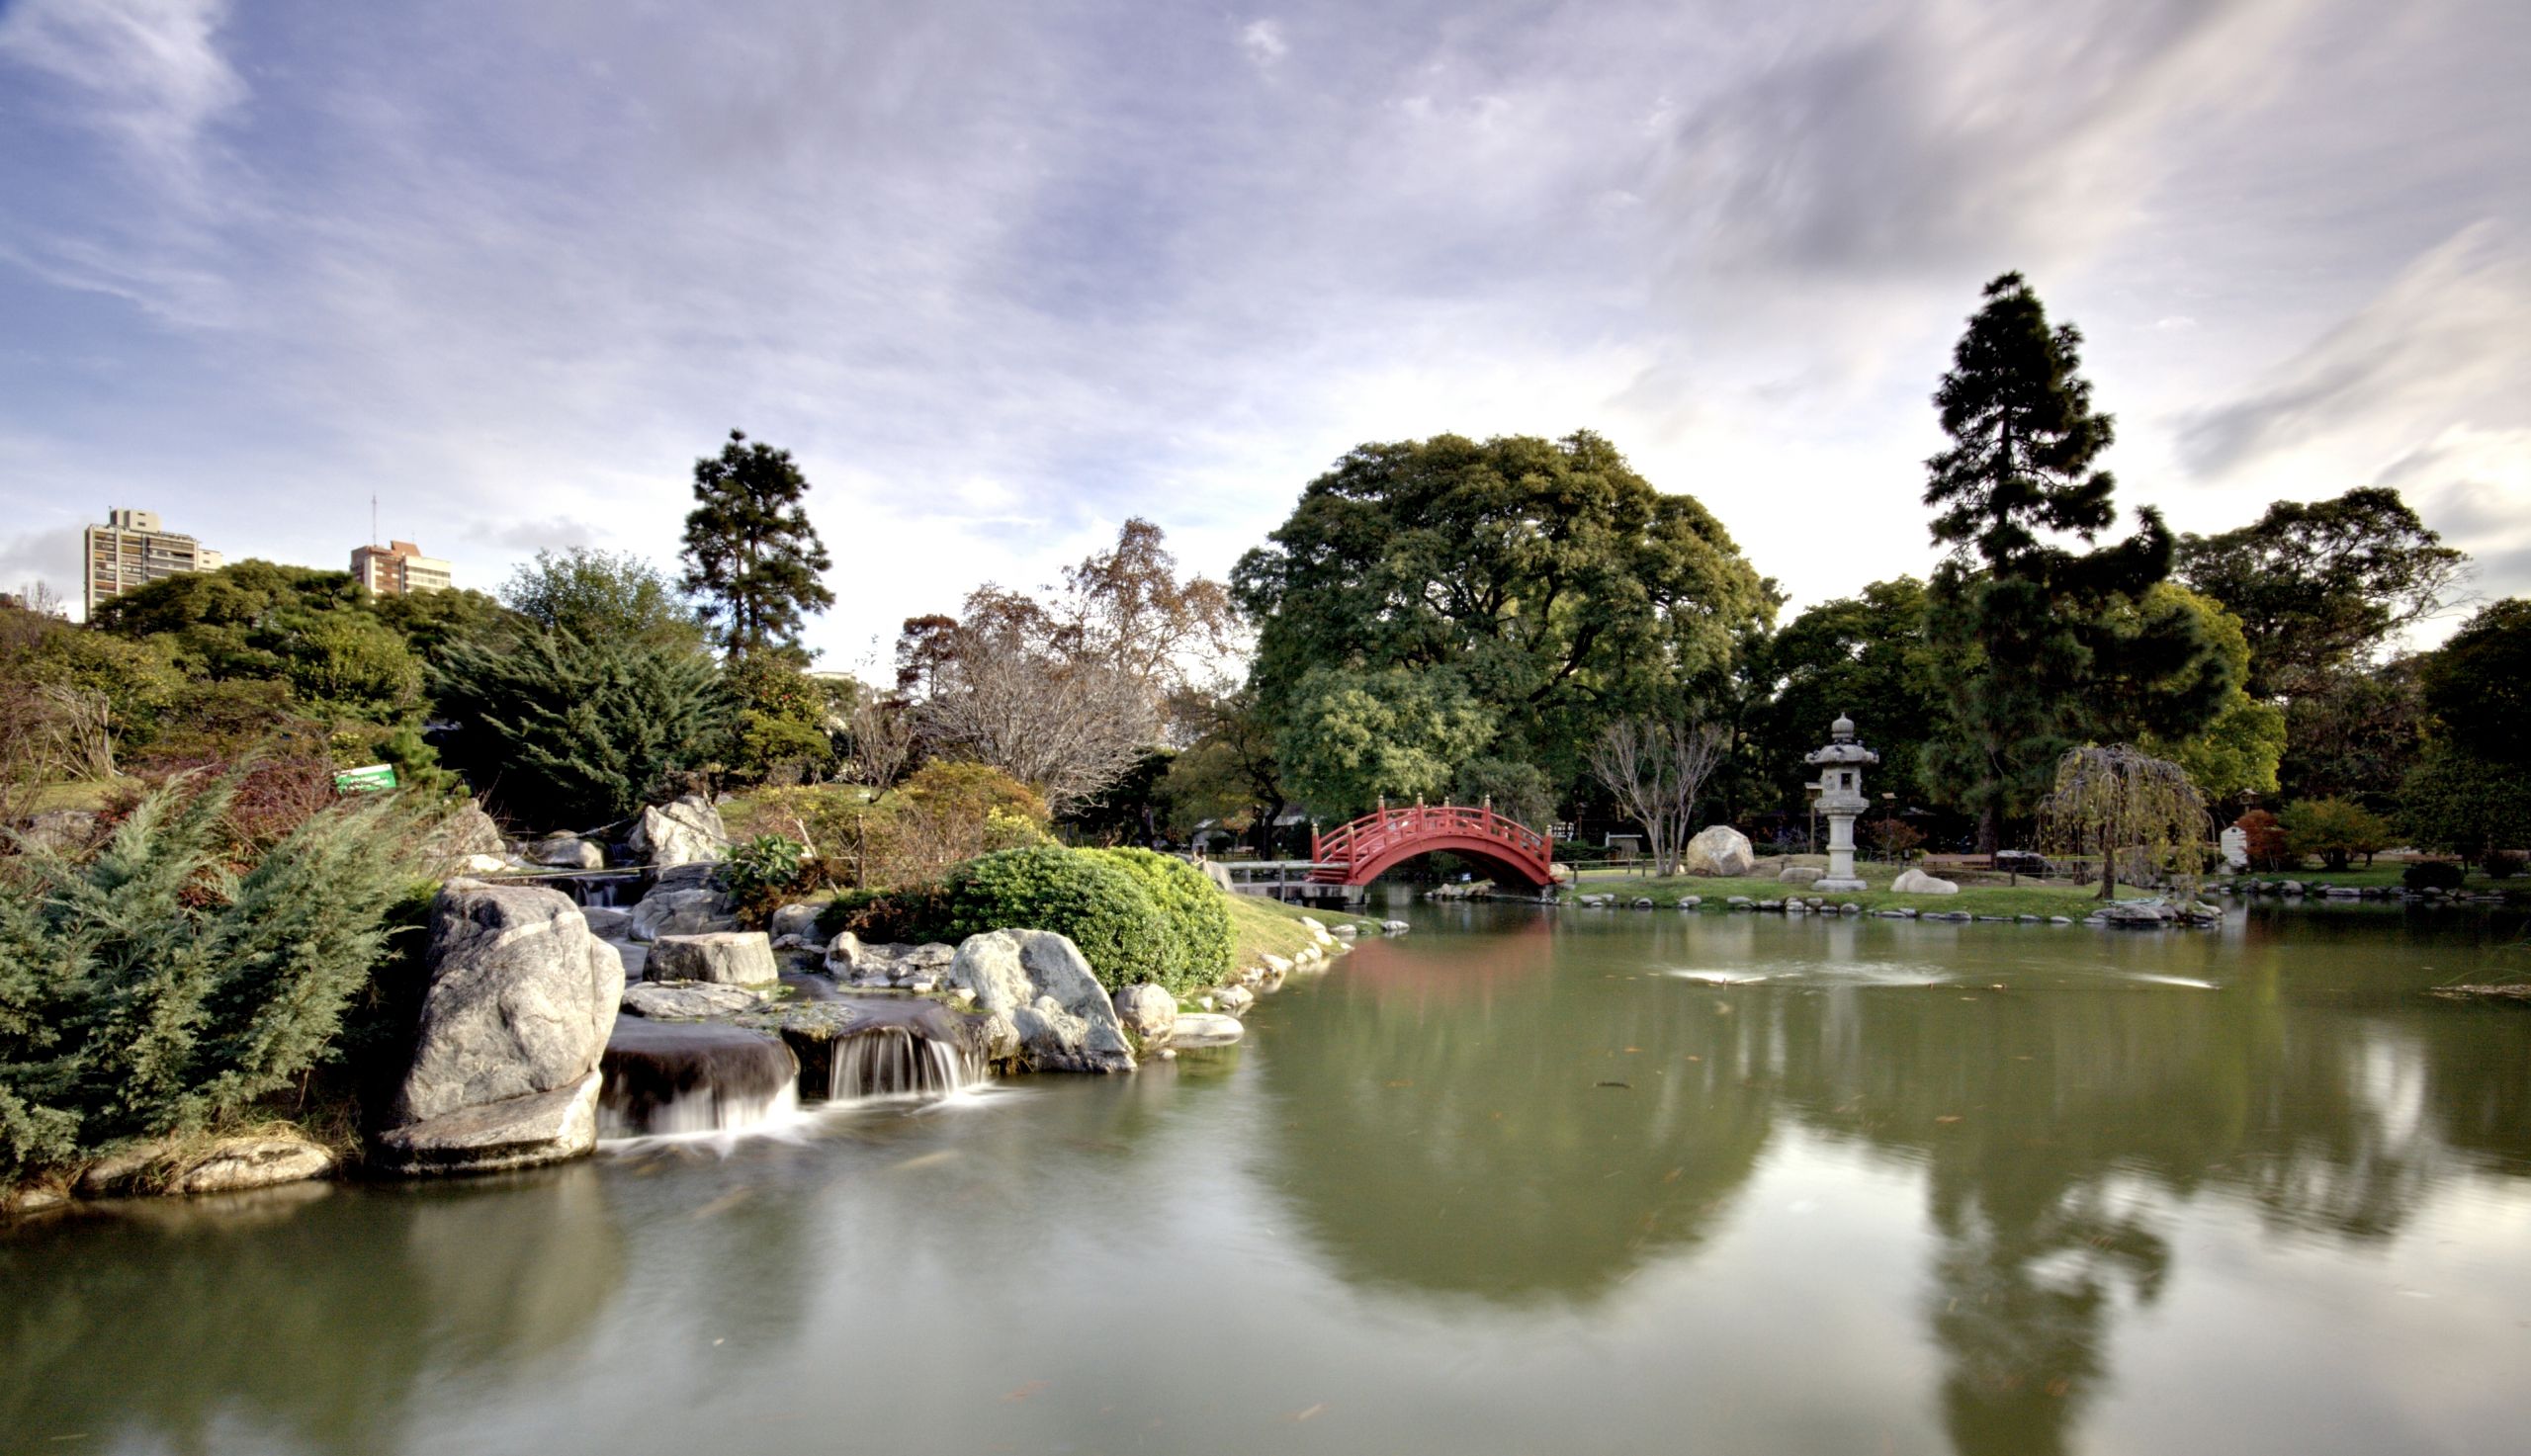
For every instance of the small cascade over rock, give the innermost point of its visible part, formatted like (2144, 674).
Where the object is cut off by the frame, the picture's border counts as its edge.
(664, 1077)
(860, 1048)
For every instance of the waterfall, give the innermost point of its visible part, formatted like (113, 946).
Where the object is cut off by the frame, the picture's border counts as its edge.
(892, 1046)
(673, 1077)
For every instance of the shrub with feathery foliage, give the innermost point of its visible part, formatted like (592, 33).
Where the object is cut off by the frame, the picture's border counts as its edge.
(1195, 909)
(563, 730)
(153, 985)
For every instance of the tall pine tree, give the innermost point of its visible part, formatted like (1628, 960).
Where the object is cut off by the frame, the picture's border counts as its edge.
(2044, 647)
(750, 554)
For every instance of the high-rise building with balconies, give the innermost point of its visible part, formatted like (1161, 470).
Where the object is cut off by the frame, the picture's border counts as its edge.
(133, 550)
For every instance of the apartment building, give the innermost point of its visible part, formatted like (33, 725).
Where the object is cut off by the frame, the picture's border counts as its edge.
(133, 550)
(399, 568)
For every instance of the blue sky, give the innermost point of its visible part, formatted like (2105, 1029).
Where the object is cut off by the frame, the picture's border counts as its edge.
(1002, 274)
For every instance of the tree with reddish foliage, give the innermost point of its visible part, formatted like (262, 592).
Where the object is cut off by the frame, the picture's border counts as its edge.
(2267, 840)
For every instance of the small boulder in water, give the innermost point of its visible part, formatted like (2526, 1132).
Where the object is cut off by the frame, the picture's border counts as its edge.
(669, 910)
(1206, 1029)
(566, 852)
(607, 923)
(793, 919)
(1234, 1000)
(1147, 1012)
(722, 956)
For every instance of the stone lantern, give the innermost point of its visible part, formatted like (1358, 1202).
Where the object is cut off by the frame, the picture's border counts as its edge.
(1840, 798)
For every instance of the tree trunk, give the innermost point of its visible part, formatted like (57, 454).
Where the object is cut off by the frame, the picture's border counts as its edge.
(2108, 856)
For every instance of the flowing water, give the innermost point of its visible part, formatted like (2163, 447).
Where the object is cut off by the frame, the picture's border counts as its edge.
(1559, 1182)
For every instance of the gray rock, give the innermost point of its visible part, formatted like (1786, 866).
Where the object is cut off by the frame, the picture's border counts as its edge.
(1690, 901)
(794, 919)
(513, 1132)
(1147, 1012)
(467, 831)
(722, 957)
(1395, 927)
(672, 911)
(1045, 1011)
(1346, 931)
(1849, 909)
(2058, 920)
(1719, 850)
(229, 1165)
(607, 923)
(1205, 1029)
(566, 852)
(1912, 881)
(1739, 902)
(2136, 912)
(1234, 1000)
(688, 1000)
(58, 831)
(683, 832)
(1801, 874)
(520, 1001)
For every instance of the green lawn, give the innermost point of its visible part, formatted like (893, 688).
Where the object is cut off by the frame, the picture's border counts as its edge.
(1269, 927)
(1995, 898)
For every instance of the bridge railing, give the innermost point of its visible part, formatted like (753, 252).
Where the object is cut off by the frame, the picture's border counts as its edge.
(1376, 832)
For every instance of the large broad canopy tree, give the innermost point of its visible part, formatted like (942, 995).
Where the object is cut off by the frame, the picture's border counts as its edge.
(1863, 656)
(751, 555)
(2320, 587)
(1461, 598)
(2041, 646)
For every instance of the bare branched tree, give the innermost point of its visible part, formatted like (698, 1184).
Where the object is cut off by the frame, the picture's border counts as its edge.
(1066, 726)
(1658, 772)
(879, 739)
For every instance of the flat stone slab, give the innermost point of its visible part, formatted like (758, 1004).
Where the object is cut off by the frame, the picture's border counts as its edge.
(494, 1136)
(1205, 1029)
(688, 1000)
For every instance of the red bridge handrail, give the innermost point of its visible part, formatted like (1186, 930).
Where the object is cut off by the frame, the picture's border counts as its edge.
(1353, 853)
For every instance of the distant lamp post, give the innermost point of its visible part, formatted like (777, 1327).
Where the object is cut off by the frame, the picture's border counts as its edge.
(1841, 799)
(1889, 826)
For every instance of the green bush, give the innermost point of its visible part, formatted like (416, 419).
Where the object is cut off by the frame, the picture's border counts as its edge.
(2504, 864)
(760, 871)
(151, 987)
(1196, 911)
(1102, 908)
(2334, 829)
(2432, 874)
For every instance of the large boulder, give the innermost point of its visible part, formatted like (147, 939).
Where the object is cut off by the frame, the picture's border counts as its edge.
(1148, 1011)
(520, 1001)
(465, 834)
(566, 852)
(1719, 850)
(682, 831)
(671, 911)
(721, 957)
(1912, 881)
(1044, 1009)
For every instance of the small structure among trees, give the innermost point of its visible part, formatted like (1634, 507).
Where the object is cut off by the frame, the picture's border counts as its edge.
(2117, 801)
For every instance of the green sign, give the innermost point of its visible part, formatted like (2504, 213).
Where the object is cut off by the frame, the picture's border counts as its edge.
(364, 780)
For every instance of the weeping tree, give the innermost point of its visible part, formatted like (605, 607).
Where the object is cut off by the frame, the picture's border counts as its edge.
(2118, 800)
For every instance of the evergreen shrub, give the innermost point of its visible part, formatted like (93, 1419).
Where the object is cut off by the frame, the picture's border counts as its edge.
(2432, 874)
(1196, 911)
(1101, 907)
(162, 982)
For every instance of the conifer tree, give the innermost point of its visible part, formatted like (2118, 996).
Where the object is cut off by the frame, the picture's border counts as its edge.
(2045, 647)
(750, 554)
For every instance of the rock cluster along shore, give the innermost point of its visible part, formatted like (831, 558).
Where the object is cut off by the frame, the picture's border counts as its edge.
(2127, 912)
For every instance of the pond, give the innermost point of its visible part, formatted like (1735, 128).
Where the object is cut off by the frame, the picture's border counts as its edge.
(1521, 1181)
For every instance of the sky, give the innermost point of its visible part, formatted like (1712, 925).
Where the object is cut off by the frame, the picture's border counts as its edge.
(1004, 275)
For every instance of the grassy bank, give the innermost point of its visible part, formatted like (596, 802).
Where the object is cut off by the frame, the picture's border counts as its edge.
(1996, 898)
(1264, 927)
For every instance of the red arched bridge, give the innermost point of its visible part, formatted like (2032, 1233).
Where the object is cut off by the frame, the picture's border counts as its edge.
(1358, 853)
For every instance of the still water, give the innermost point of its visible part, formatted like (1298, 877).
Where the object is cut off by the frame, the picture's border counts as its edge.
(1522, 1181)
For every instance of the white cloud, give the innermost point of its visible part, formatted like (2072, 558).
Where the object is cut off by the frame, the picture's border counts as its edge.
(1263, 42)
(151, 68)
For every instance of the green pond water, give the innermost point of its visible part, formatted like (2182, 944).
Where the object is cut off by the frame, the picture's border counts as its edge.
(1520, 1182)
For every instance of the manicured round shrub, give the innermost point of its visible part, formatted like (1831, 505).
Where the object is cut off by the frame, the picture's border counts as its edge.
(1197, 912)
(1102, 908)
(2432, 874)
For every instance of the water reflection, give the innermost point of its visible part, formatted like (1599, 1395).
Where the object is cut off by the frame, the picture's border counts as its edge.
(2064, 1096)
(308, 1312)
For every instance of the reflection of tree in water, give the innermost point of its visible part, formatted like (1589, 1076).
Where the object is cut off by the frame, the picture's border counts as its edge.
(307, 1310)
(2050, 1126)
(1439, 1122)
